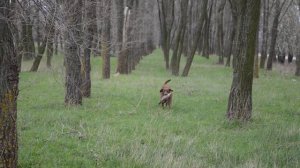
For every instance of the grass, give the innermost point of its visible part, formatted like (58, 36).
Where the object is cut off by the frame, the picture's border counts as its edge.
(121, 125)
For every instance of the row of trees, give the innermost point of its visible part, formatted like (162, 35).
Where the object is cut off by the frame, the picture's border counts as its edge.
(128, 29)
(209, 27)
(78, 29)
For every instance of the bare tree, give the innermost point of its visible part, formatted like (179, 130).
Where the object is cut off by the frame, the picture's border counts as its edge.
(191, 54)
(166, 10)
(274, 32)
(264, 44)
(90, 33)
(120, 23)
(206, 31)
(179, 38)
(73, 38)
(220, 32)
(9, 72)
(297, 73)
(28, 48)
(51, 35)
(240, 97)
(105, 39)
(232, 31)
(49, 31)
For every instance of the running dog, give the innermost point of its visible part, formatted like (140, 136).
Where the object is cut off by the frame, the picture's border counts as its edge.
(166, 95)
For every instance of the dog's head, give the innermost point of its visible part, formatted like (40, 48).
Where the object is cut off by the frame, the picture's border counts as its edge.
(166, 89)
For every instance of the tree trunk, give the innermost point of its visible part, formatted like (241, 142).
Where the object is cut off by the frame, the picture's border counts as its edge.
(220, 33)
(56, 42)
(120, 27)
(264, 47)
(230, 42)
(72, 34)
(195, 44)
(256, 60)
(9, 72)
(38, 58)
(50, 44)
(179, 38)
(27, 40)
(38, 28)
(297, 73)
(240, 97)
(166, 10)
(123, 57)
(105, 40)
(206, 31)
(274, 32)
(91, 31)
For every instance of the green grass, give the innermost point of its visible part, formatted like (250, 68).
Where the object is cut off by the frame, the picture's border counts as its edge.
(121, 125)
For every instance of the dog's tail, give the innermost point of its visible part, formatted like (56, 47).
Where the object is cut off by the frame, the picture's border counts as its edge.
(167, 81)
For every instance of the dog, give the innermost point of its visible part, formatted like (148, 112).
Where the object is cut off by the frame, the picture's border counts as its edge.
(166, 95)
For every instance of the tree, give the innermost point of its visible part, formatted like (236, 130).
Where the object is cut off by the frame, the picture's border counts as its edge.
(28, 48)
(120, 22)
(220, 34)
(179, 38)
(49, 31)
(9, 72)
(240, 97)
(229, 43)
(197, 39)
(105, 40)
(90, 32)
(206, 32)
(297, 73)
(51, 35)
(166, 10)
(264, 46)
(73, 40)
(42, 47)
(274, 32)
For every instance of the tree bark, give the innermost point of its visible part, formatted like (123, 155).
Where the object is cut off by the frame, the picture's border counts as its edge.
(105, 40)
(195, 44)
(240, 97)
(73, 35)
(9, 72)
(91, 31)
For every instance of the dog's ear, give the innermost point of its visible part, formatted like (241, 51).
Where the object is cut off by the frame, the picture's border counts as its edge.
(161, 90)
(171, 90)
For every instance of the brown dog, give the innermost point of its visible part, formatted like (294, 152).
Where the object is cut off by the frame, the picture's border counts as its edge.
(166, 95)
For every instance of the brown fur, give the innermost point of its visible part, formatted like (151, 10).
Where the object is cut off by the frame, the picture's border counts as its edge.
(166, 95)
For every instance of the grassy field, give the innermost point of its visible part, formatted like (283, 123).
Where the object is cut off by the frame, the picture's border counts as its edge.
(121, 125)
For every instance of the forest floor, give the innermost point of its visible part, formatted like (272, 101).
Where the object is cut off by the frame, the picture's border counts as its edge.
(121, 125)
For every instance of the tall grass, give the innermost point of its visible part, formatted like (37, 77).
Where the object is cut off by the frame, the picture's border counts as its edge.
(121, 125)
